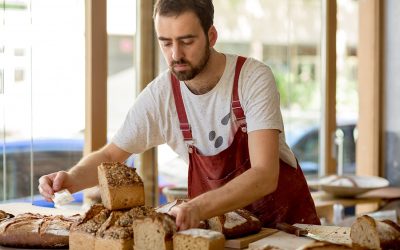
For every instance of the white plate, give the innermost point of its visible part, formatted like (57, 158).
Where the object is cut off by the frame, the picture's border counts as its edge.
(351, 185)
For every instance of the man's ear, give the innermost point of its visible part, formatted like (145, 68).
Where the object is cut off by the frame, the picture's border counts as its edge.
(212, 36)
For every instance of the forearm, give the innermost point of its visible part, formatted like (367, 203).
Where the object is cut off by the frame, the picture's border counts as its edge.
(238, 193)
(84, 173)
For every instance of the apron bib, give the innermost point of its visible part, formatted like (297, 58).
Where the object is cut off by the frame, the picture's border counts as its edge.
(291, 202)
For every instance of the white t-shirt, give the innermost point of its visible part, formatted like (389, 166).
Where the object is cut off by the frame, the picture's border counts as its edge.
(153, 119)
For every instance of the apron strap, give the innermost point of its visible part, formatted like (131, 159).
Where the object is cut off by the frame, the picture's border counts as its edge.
(236, 107)
(180, 109)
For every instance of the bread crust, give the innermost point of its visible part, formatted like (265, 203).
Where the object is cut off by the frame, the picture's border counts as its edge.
(366, 232)
(36, 231)
(120, 186)
(154, 232)
(199, 239)
(237, 223)
(83, 233)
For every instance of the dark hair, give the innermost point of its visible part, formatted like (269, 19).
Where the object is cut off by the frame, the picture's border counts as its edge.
(204, 10)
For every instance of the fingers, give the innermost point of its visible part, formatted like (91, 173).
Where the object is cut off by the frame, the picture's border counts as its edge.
(187, 216)
(59, 180)
(48, 184)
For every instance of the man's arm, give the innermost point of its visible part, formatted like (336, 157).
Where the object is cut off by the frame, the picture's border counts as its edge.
(83, 174)
(261, 179)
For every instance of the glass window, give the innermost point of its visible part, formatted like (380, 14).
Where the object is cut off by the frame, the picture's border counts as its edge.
(43, 87)
(391, 93)
(346, 82)
(121, 29)
(285, 35)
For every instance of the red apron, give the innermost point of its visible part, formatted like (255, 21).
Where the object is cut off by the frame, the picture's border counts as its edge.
(291, 202)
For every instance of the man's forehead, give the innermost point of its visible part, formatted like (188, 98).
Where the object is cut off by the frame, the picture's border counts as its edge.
(183, 20)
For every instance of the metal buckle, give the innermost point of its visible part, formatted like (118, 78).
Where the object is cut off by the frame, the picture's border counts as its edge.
(190, 145)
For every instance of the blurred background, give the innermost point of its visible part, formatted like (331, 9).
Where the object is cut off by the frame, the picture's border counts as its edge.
(42, 83)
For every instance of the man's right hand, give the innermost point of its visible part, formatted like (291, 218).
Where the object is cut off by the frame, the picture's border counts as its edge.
(51, 183)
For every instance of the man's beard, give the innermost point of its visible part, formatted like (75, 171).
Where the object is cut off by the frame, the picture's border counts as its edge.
(193, 71)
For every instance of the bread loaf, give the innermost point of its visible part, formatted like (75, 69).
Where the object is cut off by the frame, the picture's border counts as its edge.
(117, 232)
(199, 239)
(237, 223)
(120, 186)
(82, 235)
(154, 232)
(366, 232)
(36, 231)
(4, 215)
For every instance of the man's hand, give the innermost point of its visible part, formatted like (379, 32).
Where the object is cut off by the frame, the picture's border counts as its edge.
(51, 183)
(187, 215)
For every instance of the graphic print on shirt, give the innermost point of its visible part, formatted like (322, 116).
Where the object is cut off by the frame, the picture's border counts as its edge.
(211, 136)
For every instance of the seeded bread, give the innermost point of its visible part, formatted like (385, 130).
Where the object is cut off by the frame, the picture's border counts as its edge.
(117, 232)
(237, 223)
(154, 232)
(366, 232)
(29, 230)
(199, 239)
(83, 234)
(120, 186)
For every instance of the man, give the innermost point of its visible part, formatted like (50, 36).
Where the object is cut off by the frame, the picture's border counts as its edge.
(221, 114)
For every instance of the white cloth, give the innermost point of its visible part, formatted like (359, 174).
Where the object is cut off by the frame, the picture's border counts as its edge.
(153, 119)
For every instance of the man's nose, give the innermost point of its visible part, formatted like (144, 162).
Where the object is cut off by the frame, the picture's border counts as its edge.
(177, 53)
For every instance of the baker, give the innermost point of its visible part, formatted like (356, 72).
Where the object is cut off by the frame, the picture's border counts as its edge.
(219, 112)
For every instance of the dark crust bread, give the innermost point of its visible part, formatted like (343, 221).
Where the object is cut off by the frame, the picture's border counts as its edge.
(36, 231)
(4, 215)
(92, 220)
(251, 225)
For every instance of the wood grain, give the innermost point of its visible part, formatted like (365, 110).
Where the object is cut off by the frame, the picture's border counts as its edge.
(243, 242)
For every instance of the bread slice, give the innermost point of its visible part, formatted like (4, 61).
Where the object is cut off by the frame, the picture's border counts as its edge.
(120, 186)
(117, 232)
(83, 234)
(154, 232)
(366, 232)
(237, 223)
(199, 239)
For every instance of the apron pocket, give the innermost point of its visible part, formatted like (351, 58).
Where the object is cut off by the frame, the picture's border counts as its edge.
(216, 183)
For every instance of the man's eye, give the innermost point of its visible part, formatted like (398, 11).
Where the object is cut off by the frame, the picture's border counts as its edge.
(166, 44)
(187, 42)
